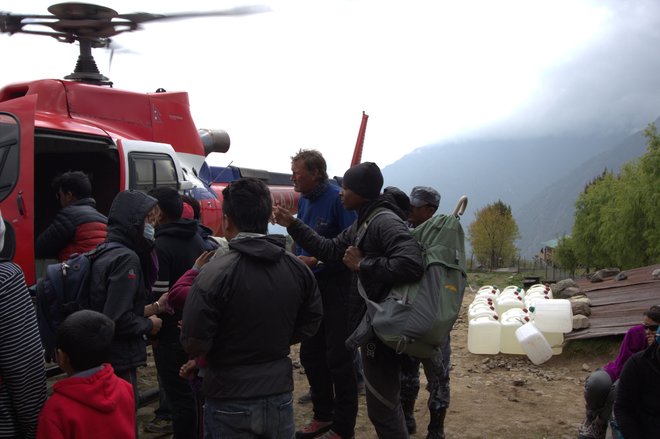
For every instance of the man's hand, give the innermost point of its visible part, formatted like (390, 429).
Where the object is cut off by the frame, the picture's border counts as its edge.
(352, 258)
(157, 323)
(188, 369)
(310, 261)
(281, 216)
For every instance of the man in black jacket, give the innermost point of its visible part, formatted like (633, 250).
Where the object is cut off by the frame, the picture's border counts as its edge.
(178, 245)
(243, 312)
(78, 227)
(120, 283)
(386, 254)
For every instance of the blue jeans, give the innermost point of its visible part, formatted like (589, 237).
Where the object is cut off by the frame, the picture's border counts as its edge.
(269, 417)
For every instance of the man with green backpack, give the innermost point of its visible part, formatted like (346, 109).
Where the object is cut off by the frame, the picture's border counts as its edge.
(424, 203)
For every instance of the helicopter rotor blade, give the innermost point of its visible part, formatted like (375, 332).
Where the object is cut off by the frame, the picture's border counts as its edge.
(143, 17)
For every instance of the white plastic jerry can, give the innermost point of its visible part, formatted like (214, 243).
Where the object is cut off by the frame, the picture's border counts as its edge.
(510, 321)
(484, 335)
(534, 343)
(554, 315)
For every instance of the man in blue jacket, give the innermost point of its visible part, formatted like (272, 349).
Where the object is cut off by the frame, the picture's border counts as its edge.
(328, 363)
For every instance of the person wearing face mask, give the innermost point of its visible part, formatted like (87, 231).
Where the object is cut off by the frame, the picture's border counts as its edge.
(637, 406)
(120, 283)
(22, 371)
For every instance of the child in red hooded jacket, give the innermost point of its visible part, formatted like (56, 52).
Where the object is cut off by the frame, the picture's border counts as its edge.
(92, 401)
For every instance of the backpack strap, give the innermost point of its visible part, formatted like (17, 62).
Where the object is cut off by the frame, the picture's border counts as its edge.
(362, 230)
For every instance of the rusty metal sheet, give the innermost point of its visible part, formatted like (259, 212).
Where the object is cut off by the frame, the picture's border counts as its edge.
(618, 305)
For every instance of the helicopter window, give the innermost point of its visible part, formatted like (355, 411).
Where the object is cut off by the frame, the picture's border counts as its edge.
(9, 154)
(152, 170)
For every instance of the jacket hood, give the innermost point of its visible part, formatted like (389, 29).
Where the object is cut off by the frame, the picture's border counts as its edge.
(182, 228)
(126, 217)
(97, 391)
(384, 201)
(265, 247)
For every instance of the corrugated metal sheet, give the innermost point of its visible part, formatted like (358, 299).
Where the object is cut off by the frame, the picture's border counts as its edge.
(618, 305)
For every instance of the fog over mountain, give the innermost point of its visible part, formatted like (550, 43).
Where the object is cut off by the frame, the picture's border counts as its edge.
(540, 178)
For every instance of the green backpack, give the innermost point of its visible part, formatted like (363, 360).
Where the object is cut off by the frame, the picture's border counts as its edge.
(416, 318)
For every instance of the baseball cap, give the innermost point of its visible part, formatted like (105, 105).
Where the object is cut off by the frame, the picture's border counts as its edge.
(423, 195)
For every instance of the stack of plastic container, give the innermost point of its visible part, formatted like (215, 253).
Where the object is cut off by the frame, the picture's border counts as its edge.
(483, 322)
(513, 321)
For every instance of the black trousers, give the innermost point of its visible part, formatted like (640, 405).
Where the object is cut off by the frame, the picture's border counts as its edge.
(328, 363)
(169, 356)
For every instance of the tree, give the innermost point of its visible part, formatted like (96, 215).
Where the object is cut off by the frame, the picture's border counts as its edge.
(617, 222)
(564, 255)
(492, 235)
(588, 243)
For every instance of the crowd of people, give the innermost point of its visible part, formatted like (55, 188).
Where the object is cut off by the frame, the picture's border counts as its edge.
(221, 315)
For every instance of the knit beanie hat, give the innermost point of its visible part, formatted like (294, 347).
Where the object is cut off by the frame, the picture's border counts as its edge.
(364, 179)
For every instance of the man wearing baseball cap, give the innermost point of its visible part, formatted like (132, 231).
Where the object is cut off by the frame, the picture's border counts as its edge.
(424, 203)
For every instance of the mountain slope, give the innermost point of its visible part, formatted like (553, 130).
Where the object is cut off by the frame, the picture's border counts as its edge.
(539, 178)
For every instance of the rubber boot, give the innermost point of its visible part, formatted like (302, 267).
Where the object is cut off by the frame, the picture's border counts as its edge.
(409, 415)
(437, 425)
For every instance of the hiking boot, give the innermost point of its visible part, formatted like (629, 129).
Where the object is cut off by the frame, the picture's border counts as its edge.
(313, 429)
(332, 435)
(159, 425)
(437, 425)
(306, 398)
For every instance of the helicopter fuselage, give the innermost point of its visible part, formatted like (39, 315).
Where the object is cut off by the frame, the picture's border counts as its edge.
(121, 139)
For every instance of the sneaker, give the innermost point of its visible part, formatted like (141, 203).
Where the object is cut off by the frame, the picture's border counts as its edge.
(159, 425)
(592, 430)
(332, 435)
(313, 429)
(306, 398)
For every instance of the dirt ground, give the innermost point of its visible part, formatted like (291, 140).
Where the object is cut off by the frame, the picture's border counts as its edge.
(492, 396)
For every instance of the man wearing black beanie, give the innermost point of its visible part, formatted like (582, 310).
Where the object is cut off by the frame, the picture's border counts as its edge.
(364, 179)
(385, 255)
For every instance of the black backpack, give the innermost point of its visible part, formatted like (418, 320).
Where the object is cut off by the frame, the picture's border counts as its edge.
(63, 291)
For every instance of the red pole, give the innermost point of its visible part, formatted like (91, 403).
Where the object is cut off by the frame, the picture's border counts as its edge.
(359, 145)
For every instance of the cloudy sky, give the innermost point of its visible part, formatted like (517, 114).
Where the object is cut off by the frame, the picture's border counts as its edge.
(425, 71)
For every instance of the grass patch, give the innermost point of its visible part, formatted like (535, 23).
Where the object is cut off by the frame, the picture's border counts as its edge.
(594, 346)
(500, 280)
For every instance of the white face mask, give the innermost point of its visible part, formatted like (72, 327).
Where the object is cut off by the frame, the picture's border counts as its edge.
(2, 232)
(149, 232)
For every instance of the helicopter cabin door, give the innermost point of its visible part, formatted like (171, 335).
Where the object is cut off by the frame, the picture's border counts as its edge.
(17, 180)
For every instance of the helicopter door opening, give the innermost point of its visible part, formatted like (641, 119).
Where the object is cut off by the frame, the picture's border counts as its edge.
(57, 152)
